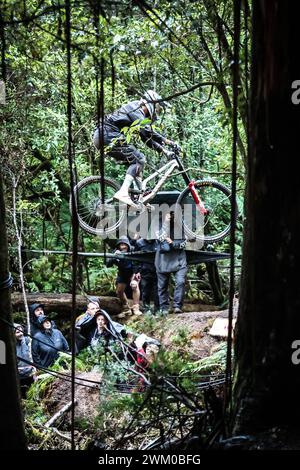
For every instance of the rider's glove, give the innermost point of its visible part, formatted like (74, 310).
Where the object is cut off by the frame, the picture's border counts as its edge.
(169, 154)
(174, 146)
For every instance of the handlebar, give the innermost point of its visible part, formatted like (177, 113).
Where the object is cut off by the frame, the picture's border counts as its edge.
(176, 147)
(176, 150)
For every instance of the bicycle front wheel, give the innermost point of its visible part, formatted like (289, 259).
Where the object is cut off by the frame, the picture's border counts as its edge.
(213, 226)
(95, 216)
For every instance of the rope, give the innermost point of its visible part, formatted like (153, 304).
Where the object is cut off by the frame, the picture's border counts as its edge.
(100, 106)
(75, 227)
(7, 283)
(228, 383)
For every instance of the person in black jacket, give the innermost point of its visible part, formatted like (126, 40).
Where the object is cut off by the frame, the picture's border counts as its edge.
(36, 311)
(148, 276)
(134, 113)
(84, 324)
(47, 343)
(127, 282)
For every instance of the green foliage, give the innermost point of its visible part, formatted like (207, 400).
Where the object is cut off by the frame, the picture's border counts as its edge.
(35, 406)
(215, 363)
(181, 338)
(103, 280)
(63, 362)
(46, 276)
(140, 52)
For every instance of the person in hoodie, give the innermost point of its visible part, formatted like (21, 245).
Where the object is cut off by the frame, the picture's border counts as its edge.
(26, 371)
(106, 332)
(47, 343)
(127, 282)
(148, 276)
(84, 324)
(36, 311)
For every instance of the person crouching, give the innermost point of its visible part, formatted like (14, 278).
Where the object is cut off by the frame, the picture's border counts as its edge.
(47, 343)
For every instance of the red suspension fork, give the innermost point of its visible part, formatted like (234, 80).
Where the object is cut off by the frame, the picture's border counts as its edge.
(197, 199)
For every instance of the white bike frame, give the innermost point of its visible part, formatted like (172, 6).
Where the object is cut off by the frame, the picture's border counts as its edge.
(166, 170)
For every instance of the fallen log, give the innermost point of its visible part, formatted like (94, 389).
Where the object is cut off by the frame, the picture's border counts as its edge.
(57, 415)
(60, 434)
(62, 303)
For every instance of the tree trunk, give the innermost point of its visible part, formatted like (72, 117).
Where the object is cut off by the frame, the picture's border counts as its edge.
(12, 435)
(215, 282)
(61, 303)
(266, 391)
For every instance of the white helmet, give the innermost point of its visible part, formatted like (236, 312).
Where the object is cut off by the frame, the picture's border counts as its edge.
(151, 100)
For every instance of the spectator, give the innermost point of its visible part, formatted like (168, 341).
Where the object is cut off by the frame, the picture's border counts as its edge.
(84, 324)
(106, 331)
(47, 343)
(25, 370)
(170, 258)
(127, 281)
(148, 276)
(147, 350)
(36, 311)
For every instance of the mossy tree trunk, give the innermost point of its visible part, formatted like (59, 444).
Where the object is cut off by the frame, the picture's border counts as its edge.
(267, 383)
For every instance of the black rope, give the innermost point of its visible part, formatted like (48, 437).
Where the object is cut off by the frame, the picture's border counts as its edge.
(7, 283)
(100, 105)
(74, 213)
(228, 384)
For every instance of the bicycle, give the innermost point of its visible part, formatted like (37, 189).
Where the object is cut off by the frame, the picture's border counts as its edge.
(207, 197)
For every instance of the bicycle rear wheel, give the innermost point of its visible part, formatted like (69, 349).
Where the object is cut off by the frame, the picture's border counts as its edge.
(215, 225)
(95, 216)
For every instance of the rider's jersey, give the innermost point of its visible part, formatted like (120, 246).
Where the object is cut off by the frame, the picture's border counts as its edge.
(124, 117)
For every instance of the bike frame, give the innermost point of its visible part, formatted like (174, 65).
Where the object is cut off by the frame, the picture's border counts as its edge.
(165, 171)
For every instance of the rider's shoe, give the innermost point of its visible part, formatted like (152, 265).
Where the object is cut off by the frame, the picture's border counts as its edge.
(122, 195)
(125, 198)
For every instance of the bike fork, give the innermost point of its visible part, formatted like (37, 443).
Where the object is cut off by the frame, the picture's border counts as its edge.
(197, 199)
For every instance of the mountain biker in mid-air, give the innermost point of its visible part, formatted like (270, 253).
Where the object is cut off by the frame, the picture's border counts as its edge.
(149, 106)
